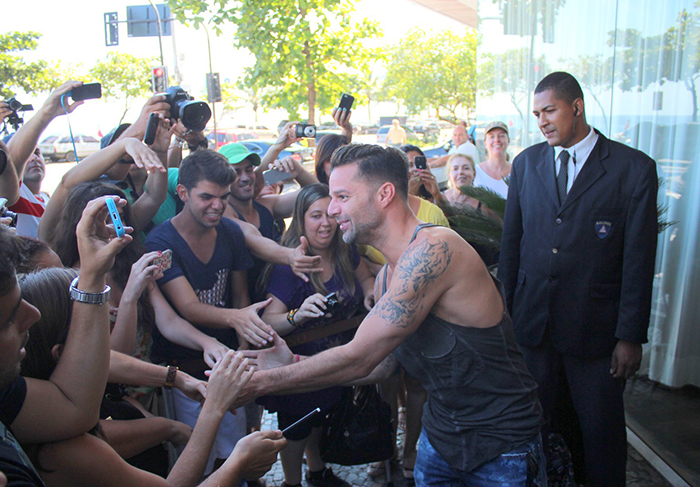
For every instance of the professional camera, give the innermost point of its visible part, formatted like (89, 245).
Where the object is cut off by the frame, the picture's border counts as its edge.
(305, 130)
(194, 114)
(16, 106)
(5, 213)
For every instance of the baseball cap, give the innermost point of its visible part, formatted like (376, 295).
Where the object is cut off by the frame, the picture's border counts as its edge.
(113, 135)
(237, 152)
(495, 125)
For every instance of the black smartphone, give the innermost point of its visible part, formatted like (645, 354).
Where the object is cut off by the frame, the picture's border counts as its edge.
(305, 418)
(87, 91)
(151, 129)
(420, 162)
(346, 101)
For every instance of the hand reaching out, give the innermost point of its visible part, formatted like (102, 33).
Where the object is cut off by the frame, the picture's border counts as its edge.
(257, 452)
(248, 324)
(303, 264)
(226, 381)
(278, 355)
(142, 155)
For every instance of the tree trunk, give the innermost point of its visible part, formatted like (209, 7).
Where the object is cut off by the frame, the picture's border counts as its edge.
(690, 85)
(605, 117)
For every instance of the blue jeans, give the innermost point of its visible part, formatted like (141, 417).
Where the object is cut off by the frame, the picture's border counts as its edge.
(506, 470)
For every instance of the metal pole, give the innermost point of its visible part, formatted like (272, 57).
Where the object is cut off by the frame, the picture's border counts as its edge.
(213, 104)
(160, 34)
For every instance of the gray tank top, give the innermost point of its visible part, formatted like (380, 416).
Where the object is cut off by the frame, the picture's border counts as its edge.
(482, 401)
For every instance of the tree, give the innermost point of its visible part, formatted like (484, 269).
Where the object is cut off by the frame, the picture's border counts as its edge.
(304, 49)
(595, 74)
(512, 73)
(671, 56)
(124, 77)
(434, 70)
(15, 73)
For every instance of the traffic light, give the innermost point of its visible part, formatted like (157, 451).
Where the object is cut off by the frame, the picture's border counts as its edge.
(213, 88)
(159, 79)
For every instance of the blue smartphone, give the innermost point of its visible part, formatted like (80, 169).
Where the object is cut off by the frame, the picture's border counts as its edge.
(116, 219)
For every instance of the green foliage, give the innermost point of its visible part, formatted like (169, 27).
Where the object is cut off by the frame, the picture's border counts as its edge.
(671, 56)
(17, 74)
(305, 50)
(124, 77)
(478, 228)
(434, 70)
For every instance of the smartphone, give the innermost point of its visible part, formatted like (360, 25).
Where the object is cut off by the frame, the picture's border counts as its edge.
(272, 176)
(420, 162)
(331, 301)
(151, 129)
(116, 219)
(305, 418)
(87, 91)
(346, 101)
(165, 261)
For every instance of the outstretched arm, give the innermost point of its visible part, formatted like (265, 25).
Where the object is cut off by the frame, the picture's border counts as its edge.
(74, 391)
(418, 281)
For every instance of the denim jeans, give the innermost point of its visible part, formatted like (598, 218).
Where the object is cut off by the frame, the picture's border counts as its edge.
(507, 470)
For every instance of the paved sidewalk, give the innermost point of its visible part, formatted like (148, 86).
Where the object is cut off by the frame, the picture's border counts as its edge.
(639, 472)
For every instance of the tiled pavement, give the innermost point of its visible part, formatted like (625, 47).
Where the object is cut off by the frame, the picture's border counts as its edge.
(639, 472)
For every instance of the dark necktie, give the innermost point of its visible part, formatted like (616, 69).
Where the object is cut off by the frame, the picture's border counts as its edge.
(562, 177)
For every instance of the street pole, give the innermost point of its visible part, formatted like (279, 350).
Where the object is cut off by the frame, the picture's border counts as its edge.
(213, 104)
(160, 33)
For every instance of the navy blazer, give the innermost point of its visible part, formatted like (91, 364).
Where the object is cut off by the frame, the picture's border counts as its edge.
(584, 268)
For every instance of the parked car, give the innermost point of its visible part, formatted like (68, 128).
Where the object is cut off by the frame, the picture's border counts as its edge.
(57, 148)
(226, 136)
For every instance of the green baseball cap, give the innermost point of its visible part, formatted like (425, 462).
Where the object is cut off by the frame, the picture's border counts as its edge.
(236, 153)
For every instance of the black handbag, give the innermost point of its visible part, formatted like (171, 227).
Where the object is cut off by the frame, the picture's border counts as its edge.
(358, 429)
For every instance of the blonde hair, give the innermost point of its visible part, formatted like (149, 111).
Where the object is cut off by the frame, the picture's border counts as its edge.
(465, 156)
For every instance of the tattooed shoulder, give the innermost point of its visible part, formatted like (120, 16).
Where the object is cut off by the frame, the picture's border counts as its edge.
(423, 262)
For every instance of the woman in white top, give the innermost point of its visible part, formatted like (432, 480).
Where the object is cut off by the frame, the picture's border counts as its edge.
(491, 173)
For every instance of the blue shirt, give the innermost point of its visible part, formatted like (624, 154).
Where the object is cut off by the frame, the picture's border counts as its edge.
(210, 281)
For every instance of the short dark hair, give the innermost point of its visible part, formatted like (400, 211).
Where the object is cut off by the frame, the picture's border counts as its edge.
(563, 84)
(205, 165)
(377, 165)
(8, 257)
(412, 148)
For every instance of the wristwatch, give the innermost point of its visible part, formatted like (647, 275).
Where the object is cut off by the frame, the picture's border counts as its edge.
(170, 378)
(88, 298)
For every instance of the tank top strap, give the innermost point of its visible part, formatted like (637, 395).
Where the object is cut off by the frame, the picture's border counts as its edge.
(415, 233)
(420, 227)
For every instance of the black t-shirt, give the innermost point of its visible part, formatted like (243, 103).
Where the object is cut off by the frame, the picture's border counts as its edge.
(14, 463)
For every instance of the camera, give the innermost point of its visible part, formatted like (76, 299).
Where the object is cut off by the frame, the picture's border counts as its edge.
(331, 301)
(194, 114)
(305, 130)
(17, 106)
(5, 213)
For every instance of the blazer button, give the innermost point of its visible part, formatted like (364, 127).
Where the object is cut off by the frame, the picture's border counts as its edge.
(558, 220)
(555, 250)
(552, 279)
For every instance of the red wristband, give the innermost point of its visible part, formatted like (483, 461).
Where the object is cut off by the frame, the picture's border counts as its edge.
(297, 358)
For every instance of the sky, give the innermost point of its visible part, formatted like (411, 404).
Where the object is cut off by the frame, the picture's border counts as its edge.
(73, 32)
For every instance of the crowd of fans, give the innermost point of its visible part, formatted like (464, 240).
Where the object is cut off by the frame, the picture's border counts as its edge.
(139, 340)
(237, 280)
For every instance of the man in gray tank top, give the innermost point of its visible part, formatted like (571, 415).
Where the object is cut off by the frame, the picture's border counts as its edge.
(442, 315)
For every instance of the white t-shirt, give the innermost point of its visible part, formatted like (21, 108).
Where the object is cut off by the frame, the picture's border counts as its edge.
(485, 181)
(467, 149)
(29, 209)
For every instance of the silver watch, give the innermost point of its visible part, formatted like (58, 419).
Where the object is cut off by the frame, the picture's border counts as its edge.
(88, 298)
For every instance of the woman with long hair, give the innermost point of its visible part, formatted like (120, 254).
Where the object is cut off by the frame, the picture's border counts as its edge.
(299, 306)
(89, 459)
(461, 173)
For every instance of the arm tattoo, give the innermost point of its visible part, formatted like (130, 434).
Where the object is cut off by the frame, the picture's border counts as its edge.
(419, 266)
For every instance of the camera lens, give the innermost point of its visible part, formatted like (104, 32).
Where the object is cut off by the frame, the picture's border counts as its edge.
(14, 104)
(195, 115)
